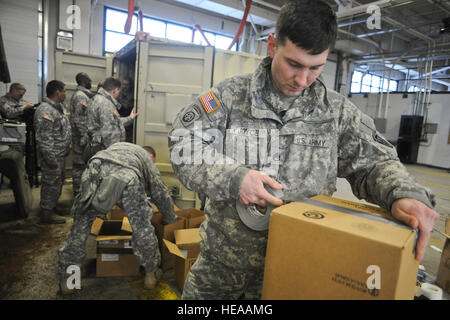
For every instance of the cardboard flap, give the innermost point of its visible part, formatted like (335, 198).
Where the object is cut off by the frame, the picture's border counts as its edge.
(113, 237)
(187, 236)
(447, 226)
(96, 226)
(126, 225)
(172, 247)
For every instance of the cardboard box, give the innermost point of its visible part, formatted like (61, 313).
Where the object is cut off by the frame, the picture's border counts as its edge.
(185, 250)
(319, 250)
(193, 217)
(115, 256)
(189, 218)
(118, 214)
(443, 277)
(156, 210)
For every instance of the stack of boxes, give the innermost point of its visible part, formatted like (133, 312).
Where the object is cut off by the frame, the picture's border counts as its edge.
(178, 243)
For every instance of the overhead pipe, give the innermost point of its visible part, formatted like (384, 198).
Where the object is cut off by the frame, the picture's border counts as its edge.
(242, 25)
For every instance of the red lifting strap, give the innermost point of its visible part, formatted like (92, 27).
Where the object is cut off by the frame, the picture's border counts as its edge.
(243, 21)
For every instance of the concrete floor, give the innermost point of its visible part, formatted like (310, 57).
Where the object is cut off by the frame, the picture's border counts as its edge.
(28, 251)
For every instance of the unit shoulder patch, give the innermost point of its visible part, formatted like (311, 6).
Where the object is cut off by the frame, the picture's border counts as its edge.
(190, 116)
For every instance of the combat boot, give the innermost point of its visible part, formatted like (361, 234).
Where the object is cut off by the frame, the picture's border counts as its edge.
(152, 278)
(48, 217)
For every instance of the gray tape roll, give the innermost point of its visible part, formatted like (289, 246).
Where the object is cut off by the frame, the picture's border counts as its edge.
(255, 217)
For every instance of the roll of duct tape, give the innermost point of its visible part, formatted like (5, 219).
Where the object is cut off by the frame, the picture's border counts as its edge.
(255, 217)
(430, 291)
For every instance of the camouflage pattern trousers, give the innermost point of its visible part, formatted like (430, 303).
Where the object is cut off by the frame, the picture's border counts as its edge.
(52, 181)
(210, 279)
(78, 166)
(144, 240)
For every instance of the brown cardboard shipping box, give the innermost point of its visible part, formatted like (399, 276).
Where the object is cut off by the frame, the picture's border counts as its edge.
(189, 218)
(185, 250)
(443, 277)
(118, 214)
(115, 256)
(192, 217)
(320, 250)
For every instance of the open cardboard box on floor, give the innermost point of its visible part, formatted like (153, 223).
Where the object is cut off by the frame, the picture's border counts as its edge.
(115, 256)
(185, 251)
(443, 277)
(319, 250)
(188, 219)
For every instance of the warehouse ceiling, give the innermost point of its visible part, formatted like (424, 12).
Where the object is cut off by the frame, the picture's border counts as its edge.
(409, 30)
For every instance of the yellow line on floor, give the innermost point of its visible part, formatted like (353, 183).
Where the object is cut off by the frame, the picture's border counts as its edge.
(447, 175)
(431, 183)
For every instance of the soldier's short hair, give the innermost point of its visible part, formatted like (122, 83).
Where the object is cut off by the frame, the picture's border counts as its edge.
(309, 24)
(111, 83)
(53, 86)
(150, 150)
(82, 78)
(16, 86)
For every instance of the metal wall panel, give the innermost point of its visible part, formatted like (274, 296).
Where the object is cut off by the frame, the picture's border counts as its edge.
(68, 64)
(230, 63)
(169, 75)
(19, 21)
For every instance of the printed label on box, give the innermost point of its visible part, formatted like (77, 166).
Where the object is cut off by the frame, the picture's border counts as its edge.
(110, 257)
(127, 245)
(109, 242)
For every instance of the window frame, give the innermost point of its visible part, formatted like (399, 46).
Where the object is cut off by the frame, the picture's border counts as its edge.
(378, 89)
(105, 30)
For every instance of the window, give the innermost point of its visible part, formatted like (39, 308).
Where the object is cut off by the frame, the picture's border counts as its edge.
(179, 33)
(116, 38)
(370, 83)
(413, 89)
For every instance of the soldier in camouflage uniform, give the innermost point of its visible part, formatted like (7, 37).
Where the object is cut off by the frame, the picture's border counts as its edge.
(321, 136)
(123, 174)
(12, 105)
(78, 119)
(104, 124)
(53, 138)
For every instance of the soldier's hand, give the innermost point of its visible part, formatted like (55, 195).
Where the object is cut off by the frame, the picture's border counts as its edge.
(27, 106)
(417, 215)
(252, 189)
(133, 114)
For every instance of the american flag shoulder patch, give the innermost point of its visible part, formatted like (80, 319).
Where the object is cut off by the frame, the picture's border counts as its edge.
(47, 117)
(209, 102)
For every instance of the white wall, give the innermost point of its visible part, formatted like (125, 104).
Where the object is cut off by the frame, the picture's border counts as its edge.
(19, 21)
(436, 152)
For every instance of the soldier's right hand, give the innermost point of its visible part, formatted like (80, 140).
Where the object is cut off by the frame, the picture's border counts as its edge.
(252, 189)
(27, 106)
